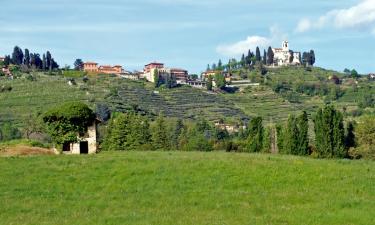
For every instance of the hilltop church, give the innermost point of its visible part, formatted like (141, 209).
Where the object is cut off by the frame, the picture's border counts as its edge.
(283, 56)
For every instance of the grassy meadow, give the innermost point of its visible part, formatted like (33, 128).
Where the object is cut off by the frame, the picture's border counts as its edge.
(185, 188)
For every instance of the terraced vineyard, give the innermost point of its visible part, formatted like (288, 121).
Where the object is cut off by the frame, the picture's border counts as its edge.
(32, 97)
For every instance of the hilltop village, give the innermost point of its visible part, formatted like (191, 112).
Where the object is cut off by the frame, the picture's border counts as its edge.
(156, 72)
(224, 107)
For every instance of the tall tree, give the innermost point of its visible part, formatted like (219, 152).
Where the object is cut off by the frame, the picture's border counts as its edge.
(177, 132)
(312, 57)
(220, 80)
(243, 60)
(264, 59)
(44, 62)
(303, 134)
(270, 56)
(159, 135)
(208, 67)
(156, 78)
(329, 133)
(255, 138)
(209, 83)
(27, 57)
(258, 57)
(78, 64)
(350, 136)
(7, 60)
(48, 60)
(219, 65)
(17, 56)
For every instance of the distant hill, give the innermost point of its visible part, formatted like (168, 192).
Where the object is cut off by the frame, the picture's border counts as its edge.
(280, 92)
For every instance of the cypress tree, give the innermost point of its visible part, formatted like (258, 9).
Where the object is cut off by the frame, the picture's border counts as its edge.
(291, 136)
(303, 134)
(264, 59)
(350, 136)
(255, 138)
(329, 133)
(270, 56)
(159, 136)
(258, 57)
(27, 57)
(209, 83)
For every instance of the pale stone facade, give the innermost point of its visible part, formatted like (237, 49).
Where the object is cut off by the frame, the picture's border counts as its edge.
(282, 56)
(93, 67)
(87, 144)
(180, 75)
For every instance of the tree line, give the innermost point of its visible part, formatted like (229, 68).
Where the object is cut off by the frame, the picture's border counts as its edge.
(332, 138)
(249, 60)
(31, 60)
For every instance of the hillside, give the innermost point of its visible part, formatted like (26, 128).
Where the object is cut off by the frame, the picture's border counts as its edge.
(281, 92)
(185, 188)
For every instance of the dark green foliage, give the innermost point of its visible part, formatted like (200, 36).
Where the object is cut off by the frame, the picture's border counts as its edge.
(366, 100)
(156, 78)
(270, 56)
(220, 65)
(159, 134)
(264, 59)
(293, 137)
(65, 122)
(258, 57)
(176, 134)
(303, 134)
(198, 137)
(7, 60)
(329, 133)
(255, 138)
(354, 74)
(17, 56)
(27, 57)
(220, 80)
(350, 136)
(103, 112)
(128, 132)
(209, 83)
(78, 64)
(9, 132)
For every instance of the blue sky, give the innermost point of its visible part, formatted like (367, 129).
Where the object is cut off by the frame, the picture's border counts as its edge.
(190, 33)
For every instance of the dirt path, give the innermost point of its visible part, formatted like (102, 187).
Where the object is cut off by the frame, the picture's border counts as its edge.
(24, 151)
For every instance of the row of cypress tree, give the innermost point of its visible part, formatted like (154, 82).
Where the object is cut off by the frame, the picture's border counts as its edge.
(134, 132)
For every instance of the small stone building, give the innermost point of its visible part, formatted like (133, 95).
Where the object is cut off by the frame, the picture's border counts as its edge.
(87, 143)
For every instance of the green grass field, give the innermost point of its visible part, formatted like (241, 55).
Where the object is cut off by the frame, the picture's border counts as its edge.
(185, 188)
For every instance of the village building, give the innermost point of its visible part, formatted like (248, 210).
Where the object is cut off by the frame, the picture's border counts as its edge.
(284, 56)
(197, 83)
(229, 127)
(2, 59)
(179, 75)
(87, 143)
(92, 67)
(371, 76)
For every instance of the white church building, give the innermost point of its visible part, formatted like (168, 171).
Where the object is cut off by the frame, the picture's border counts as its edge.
(283, 56)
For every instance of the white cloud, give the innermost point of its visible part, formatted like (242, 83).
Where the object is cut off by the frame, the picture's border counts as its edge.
(251, 42)
(360, 16)
(240, 47)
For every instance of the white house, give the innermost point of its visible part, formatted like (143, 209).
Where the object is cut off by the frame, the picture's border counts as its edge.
(283, 56)
(87, 144)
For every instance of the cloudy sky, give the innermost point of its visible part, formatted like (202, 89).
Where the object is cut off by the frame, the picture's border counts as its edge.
(190, 33)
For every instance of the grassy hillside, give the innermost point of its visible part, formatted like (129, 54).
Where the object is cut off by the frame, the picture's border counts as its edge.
(30, 97)
(185, 188)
